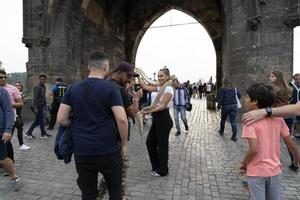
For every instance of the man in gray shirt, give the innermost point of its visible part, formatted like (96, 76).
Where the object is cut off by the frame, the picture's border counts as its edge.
(38, 107)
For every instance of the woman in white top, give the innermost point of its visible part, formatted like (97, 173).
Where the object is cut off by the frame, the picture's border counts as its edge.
(158, 137)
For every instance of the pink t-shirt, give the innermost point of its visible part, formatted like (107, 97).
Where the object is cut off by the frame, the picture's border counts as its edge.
(267, 131)
(14, 94)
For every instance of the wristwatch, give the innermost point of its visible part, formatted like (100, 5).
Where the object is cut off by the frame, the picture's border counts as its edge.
(269, 111)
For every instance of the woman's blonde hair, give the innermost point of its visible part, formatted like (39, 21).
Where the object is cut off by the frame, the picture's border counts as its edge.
(281, 83)
(165, 70)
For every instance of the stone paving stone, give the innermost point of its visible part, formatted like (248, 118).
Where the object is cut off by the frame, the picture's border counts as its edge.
(202, 165)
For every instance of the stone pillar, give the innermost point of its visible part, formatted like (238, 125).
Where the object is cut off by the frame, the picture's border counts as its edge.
(256, 41)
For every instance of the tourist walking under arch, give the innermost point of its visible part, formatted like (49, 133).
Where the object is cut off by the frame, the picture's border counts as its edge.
(227, 102)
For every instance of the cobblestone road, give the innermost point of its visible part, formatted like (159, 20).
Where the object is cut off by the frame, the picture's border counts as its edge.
(202, 166)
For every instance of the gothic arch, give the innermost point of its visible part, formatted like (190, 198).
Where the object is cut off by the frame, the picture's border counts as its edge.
(214, 30)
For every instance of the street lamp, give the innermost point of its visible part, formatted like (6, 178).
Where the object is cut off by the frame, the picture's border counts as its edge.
(154, 76)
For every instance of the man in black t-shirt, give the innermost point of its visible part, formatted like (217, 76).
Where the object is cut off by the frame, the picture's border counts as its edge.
(96, 128)
(121, 75)
(123, 72)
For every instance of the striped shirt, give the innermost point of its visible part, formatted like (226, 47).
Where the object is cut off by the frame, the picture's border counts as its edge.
(181, 97)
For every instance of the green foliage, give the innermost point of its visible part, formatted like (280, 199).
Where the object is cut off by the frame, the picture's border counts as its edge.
(17, 76)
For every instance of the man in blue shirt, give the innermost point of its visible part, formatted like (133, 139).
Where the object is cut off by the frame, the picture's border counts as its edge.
(96, 129)
(57, 91)
(181, 97)
(6, 126)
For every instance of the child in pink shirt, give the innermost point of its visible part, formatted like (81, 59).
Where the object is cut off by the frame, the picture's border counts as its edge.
(262, 160)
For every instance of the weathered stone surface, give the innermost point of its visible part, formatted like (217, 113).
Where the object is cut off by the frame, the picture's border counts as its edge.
(251, 37)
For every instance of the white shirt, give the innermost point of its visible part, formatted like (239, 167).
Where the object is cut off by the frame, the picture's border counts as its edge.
(170, 90)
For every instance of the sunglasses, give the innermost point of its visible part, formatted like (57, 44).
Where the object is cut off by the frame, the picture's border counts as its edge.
(3, 77)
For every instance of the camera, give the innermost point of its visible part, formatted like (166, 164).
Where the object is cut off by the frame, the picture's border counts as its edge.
(137, 87)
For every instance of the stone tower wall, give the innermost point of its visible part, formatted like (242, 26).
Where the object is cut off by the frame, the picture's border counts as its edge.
(251, 37)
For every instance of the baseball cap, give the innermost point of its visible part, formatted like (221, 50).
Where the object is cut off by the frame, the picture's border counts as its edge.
(126, 67)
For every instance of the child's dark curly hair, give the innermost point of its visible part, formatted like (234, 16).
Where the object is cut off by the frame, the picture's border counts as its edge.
(263, 94)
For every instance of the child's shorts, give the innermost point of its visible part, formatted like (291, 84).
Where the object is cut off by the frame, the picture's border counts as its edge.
(261, 188)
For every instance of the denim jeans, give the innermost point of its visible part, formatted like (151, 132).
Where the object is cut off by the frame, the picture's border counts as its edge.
(88, 167)
(179, 110)
(230, 110)
(39, 120)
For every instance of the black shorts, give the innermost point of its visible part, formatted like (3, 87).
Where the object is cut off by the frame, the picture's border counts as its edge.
(3, 149)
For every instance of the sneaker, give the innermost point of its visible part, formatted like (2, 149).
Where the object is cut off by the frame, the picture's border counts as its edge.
(15, 184)
(186, 128)
(24, 147)
(154, 173)
(293, 167)
(29, 135)
(177, 133)
(45, 135)
(234, 139)
(221, 133)
(5, 174)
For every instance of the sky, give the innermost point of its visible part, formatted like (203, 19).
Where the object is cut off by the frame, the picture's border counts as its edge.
(186, 50)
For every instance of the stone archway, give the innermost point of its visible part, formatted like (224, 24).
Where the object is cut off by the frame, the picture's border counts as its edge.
(211, 19)
(250, 37)
(157, 16)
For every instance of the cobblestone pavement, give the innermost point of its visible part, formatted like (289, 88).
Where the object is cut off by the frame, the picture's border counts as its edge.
(202, 166)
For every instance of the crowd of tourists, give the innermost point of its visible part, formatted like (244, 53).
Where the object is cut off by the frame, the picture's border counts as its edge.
(106, 100)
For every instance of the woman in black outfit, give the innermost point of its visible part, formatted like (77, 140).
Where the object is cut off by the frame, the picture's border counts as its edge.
(158, 137)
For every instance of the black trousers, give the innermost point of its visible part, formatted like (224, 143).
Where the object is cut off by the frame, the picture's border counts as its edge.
(158, 141)
(10, 151)
(88, 167)
(19, 126)
(53, 113)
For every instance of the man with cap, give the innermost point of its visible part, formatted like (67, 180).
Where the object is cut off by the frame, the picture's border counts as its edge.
(124, 72)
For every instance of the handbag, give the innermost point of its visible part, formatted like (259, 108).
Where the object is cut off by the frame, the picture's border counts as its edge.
(239, 105)
(188, 106)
